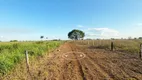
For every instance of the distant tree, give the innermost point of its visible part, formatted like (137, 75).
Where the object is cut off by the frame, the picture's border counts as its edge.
(55, 40)
(13, 40)
(41, 37)
(112, 39)
(76, 34)
(140, 37)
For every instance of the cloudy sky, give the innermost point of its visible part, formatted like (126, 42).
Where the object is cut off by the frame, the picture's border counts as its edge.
(29, 19)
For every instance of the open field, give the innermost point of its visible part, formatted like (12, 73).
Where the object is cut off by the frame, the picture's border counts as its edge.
(70, 39)
(77, 61)
(129, 46)
(12, 53)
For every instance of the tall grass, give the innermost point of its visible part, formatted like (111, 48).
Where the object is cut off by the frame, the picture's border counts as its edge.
(130, 46)
(12, 53)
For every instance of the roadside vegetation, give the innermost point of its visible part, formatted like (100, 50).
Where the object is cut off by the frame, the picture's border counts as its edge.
(130, 46)
(12, 53)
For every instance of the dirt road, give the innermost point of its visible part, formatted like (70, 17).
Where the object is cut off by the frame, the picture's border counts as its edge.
(77, 62)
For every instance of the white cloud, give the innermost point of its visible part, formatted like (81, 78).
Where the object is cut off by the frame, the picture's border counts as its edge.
(102, 32)
(1, 36)
(139, 24)
(99, 32)
(80, 26)
(92, 35)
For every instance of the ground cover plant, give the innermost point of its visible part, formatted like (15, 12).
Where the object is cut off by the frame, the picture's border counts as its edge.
(11, 53)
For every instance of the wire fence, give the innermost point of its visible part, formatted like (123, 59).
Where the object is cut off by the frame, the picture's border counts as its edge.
(128, 46)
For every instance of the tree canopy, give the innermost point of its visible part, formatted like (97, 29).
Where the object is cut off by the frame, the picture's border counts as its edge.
(76, 34)
(41, 37)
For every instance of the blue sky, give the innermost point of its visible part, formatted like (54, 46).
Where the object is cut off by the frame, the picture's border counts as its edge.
(29, 19)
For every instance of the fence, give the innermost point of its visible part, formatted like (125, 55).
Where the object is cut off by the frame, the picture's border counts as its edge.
(140, 51)
(128, 46)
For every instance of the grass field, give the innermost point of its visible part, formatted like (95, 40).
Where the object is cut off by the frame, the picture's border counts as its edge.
(130, 46)
(11, 53)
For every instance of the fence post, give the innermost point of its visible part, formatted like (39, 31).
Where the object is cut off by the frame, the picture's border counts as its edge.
(27, 59)
(112, 46)
(27, 64)
(88, 42)
(140, 51)
(93, 42)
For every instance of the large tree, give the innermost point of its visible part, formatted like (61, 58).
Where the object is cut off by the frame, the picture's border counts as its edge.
(41, 37)
(76, 34)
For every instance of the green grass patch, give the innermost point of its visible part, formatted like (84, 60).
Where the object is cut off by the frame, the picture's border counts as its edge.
(12, 53)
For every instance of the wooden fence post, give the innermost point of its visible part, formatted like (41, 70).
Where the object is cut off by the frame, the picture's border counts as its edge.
(140, 51)
(27, 64)
(88, 42)
(93, 42)
(27, 59)
(112, 46)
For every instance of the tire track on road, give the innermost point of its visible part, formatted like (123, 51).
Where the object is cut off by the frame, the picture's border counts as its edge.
(79, 65)
(92, 65)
